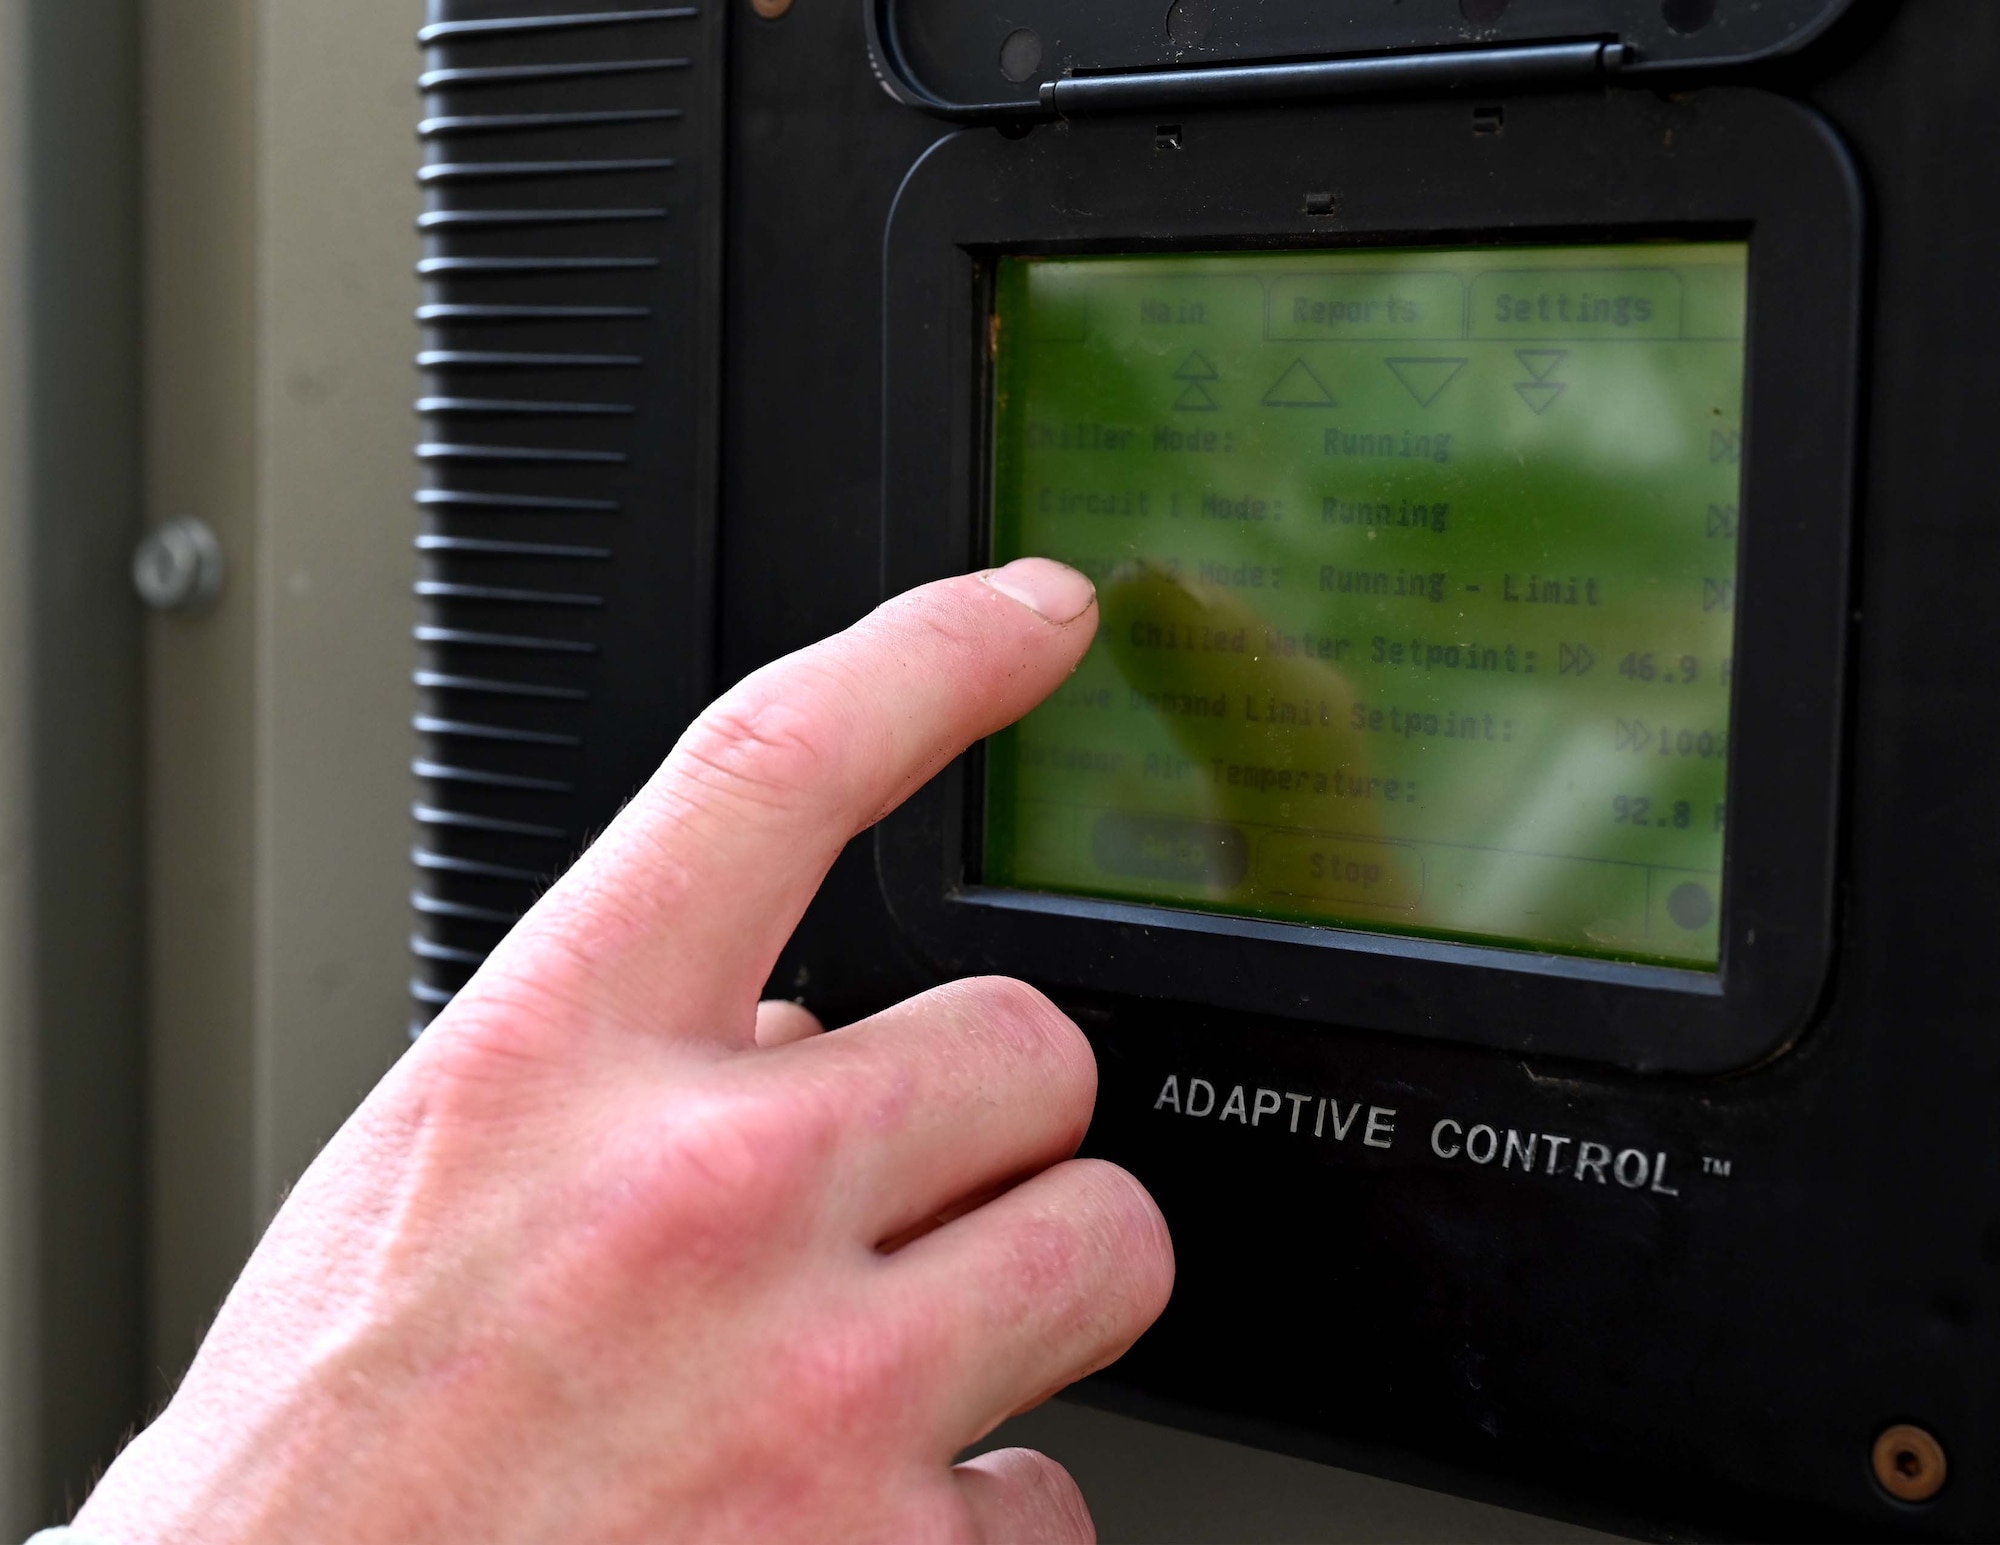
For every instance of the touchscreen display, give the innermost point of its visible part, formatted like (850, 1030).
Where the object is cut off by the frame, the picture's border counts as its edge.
(1417, 577)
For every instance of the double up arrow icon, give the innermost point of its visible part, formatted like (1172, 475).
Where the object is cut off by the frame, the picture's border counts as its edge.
(1540, 393)
(1195, 397)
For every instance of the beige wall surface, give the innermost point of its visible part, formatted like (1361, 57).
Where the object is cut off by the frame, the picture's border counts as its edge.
(200, 135)
(281, 207)
(337, 253)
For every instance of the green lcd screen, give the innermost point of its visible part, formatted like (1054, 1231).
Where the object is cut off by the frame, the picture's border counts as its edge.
(1417, 575)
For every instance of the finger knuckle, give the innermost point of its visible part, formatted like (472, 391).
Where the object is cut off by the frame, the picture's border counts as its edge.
(1028, 1025)
(1049, 1259)
(1130, 1228)
(561, 965)
(942, 618)
(1124, 1204)
(1087, 1260)
(500, 1035)
(768, 741)
(740, 1168)
(852, 1374)
(614, 896)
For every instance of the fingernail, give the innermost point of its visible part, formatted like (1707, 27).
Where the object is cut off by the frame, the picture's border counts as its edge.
(1053, 590)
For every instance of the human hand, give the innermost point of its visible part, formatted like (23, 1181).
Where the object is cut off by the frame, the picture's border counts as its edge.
(616, 1254)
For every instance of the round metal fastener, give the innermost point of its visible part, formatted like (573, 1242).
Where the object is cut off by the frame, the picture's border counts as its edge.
(177, 567)
(1909, 1463)
(1021, 55)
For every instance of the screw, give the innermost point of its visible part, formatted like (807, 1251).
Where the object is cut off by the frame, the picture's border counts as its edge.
(177, 567)
(1909, 1463)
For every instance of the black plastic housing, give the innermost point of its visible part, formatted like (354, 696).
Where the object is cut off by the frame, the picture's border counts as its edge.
(571, 280)
(1814, 1250)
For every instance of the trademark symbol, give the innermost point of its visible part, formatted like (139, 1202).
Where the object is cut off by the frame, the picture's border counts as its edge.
(1714, 1166)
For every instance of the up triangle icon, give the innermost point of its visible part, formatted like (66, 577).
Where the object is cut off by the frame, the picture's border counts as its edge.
(1298, 387)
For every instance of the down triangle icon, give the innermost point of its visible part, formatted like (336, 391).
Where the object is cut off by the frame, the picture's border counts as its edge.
(1425, 378)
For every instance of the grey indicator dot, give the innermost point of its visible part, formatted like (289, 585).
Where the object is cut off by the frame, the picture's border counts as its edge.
(1687, 17)
(1021, 55)
(1690, 905)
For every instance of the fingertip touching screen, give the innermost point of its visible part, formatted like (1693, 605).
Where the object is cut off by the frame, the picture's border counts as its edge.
(1417, 583)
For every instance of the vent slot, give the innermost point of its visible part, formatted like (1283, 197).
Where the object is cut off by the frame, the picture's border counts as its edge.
(567, 382)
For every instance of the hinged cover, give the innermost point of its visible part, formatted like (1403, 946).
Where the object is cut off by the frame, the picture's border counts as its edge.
(994, 61)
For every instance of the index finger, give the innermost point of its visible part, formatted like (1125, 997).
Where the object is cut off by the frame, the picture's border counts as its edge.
(702, 878)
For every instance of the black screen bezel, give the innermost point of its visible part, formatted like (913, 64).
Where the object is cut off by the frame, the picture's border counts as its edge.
(1419, 175)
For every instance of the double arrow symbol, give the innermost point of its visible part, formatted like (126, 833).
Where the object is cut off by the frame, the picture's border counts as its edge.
(1541, 392)
(1633, 736)
(1575, 660)
(1195, 397)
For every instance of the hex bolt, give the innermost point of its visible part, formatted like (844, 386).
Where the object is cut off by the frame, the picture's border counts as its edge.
(177, 567)
(1909, 1463)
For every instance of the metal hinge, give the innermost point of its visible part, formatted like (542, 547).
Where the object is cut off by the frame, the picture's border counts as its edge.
(1434, 70)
